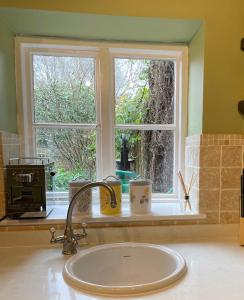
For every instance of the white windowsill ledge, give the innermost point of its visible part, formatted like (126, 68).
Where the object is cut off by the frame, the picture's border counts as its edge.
(159, 212)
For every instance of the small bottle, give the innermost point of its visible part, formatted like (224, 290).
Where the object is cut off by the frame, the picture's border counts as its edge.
(105, 206)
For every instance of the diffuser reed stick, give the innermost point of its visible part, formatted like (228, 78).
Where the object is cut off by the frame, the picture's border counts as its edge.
(182, 183)
(185, 190)
(190, 184)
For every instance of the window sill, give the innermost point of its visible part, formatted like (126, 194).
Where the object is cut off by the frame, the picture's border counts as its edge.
(159, 211)
(165, 213)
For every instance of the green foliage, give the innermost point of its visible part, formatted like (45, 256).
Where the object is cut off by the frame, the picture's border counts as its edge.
(131, 103)
(131, 110)
(63, 177)
(64, 91)
(57, 104)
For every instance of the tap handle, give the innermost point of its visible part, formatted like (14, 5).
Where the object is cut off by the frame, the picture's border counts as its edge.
(54, 239)
(84, 234)
(84, 226)
(52, 232)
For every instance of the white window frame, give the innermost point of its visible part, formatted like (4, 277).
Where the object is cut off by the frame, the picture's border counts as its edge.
(104, 54)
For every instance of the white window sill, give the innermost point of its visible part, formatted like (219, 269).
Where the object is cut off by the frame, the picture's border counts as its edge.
(159, 212)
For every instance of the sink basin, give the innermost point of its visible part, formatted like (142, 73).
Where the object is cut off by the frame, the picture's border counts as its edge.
(124, 268)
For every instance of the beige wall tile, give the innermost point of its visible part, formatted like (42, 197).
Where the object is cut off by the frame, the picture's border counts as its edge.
(3, 228)
(221, 160)
(229, 217)
(1, 153)
(230, 178)
(230, 200)
(211, 218)
(186, 222)
(231, 156)
(2, 185)
(163, 222)
(210, 156)
(61, 226)
(209, 200)
(43, 227)
(1, 159)
(20, 228)
(209, 178)
(2, 205)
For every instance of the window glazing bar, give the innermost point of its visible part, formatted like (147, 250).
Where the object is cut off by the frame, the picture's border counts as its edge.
(65, 125)
(146, 126)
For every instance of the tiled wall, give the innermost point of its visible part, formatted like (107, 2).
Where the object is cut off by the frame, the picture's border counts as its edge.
(217, 160)
(9, 148)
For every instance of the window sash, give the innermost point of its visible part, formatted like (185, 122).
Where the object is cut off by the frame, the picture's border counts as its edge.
(147, 54)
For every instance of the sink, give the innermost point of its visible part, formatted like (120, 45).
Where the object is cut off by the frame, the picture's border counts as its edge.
(124, 268)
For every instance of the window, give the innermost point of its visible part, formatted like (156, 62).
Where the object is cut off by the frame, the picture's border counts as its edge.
(98, 109)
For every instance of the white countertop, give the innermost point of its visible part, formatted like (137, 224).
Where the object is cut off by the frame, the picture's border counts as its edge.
(215, 271)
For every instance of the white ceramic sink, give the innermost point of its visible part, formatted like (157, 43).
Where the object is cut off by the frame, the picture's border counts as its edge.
(124, 268)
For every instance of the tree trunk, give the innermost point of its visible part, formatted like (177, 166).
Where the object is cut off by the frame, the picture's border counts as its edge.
(158, 146)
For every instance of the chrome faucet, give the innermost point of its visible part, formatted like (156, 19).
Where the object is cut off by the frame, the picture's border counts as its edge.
(70, 239)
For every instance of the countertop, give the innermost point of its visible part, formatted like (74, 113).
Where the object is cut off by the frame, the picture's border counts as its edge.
(215, 271)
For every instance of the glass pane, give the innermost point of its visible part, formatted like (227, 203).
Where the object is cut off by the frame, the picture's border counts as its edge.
(144, 91)
(148, 153)
(64, 89)
(72, 150)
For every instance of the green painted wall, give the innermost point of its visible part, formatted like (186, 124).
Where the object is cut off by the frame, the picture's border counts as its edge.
(224, 72)
(223, 60)
(195, 89)
(7, 81)
(99, 27)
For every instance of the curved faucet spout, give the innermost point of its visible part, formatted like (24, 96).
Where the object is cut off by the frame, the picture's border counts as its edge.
(70, 239)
